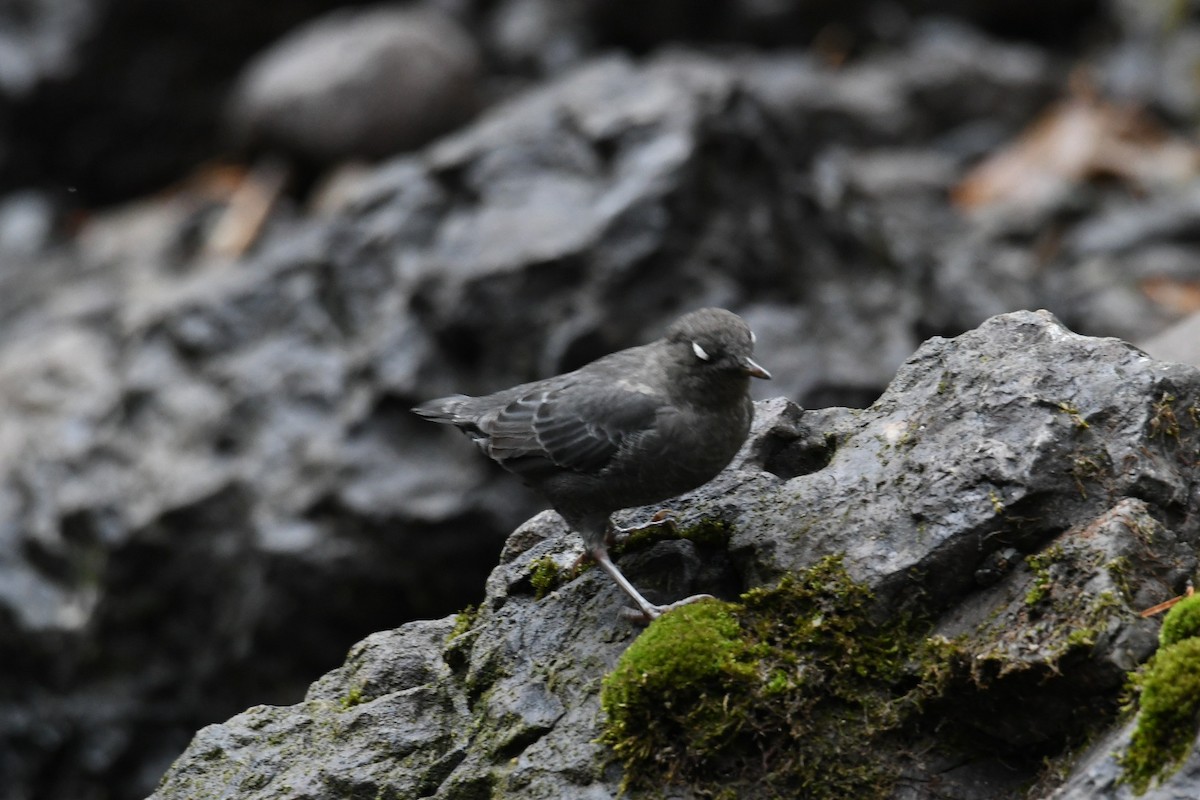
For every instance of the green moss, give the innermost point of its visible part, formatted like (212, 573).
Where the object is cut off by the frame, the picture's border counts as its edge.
(545, 576)
(1169, 706)
(253, 782)
(1164, 422)
(1118, 569)
(463, 622)
(1182, 622)
(1040, 563)
(1093, 620)
(1083, 637)
(788, 690)
(1038, 592)
(353, 697)
(663, 699)
(707, 532)
(459, 641)
(1085, 468)
(1072, 412)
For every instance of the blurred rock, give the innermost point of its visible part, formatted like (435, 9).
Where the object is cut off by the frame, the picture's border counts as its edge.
(114, 98)
(941, 79)
(1126, 295)
(1171, 216)
(118, 97)
(539, 36)
(39, 41)
(358, 84)
(27, 224)
(1179, 343)
(1156, 66)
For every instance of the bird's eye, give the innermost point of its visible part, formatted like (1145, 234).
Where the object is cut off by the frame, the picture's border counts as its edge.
(700, 352)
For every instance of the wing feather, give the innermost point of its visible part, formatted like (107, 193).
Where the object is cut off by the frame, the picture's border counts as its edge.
(570, 428)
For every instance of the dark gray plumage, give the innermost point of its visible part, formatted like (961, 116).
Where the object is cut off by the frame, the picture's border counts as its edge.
(635, 427)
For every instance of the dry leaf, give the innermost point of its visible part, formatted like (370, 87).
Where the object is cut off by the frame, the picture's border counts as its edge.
(1080, 139)
(1176, 296)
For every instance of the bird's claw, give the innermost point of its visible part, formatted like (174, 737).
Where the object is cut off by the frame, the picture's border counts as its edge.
(644, 616)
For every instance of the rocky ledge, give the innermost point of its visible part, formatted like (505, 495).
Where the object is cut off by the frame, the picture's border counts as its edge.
(937, 596)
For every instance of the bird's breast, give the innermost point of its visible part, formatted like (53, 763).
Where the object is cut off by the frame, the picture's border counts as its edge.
(685, 449)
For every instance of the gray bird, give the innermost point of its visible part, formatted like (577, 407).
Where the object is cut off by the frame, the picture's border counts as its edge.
(635, 427)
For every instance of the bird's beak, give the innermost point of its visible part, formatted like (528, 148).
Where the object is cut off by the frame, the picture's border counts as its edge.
(754, 370)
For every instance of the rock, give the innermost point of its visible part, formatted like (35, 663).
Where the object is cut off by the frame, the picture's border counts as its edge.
(1180, 342)
(545, 199)
(1097, 775)
(27, 222)
(890, 99)
(1014, 425)
(545, 36)
(1072, 457)
(1173, 217)
(110, 99)
(358, 84)
(1151, 65)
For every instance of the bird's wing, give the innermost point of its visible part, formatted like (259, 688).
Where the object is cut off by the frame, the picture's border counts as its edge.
(573, 428)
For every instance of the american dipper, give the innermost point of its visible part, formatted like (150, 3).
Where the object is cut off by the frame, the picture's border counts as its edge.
(634, 427)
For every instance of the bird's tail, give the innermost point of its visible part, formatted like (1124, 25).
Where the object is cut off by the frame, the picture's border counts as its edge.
(447, 410)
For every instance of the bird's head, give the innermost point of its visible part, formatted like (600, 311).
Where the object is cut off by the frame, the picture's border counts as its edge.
(714, 344)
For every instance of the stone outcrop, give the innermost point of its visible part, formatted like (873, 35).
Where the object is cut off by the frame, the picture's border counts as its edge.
(1023, 490)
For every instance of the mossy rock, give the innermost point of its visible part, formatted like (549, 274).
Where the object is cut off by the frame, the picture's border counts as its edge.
(1168, 714)
(1182, 622)
(788, 691)
(706, 532)
(683, 665)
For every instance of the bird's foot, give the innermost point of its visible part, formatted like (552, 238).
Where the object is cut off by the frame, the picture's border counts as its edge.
(651, 612)
(646, 612)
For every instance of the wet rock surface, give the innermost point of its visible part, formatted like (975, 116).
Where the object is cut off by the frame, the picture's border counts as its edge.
(959, 493)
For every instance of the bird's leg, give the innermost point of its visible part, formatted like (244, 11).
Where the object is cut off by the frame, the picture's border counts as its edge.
(646, 611)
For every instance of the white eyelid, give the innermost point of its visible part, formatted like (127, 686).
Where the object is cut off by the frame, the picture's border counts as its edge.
(753, 338)
(699, 351)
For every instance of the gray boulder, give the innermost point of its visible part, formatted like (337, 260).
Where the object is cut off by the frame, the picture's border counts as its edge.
(359, 84)
(1023, 490)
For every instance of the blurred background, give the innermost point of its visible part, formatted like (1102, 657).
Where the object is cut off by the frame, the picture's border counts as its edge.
(238, 241)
